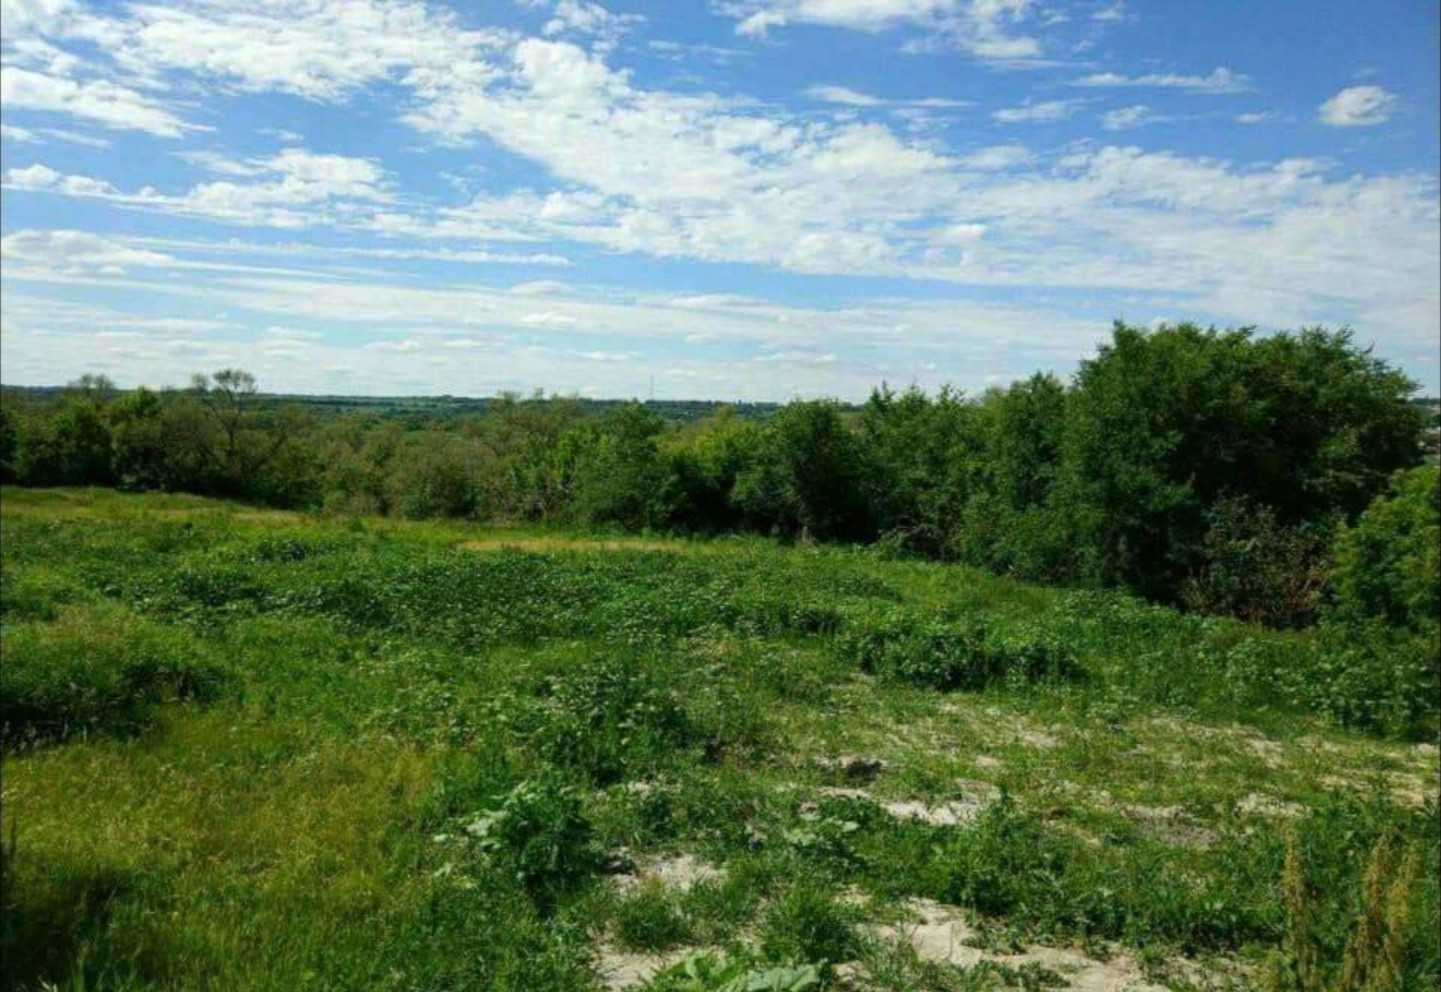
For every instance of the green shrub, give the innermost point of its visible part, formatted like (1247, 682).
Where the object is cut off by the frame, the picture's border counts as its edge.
(947, 655)
(1256, 569)
(650, 919)
(1388, 566)
(807, 924)
(610, 718)
(36, 594)
(704, 972)
(538, 833)
(96, 670)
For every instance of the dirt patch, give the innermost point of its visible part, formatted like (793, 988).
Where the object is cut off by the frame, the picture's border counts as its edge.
(973, 799)
(1170, 824)
(941, 934)
(679, 872)
(941, 814)
(1403, 788)
(1038, 739)
(844, 792)
(626, 969)
(1262, 805)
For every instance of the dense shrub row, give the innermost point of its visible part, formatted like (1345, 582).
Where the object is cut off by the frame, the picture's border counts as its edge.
(1197, 466)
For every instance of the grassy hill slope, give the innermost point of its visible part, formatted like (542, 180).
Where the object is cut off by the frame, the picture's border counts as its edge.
(260, 750)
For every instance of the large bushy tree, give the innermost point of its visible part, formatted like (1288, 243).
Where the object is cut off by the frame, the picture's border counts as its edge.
(1162, 424)
(807, 478)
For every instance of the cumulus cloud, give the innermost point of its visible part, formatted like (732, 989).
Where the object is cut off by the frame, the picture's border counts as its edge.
(1358, 106)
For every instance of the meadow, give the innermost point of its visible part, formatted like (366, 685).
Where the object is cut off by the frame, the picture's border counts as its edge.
(256, 749)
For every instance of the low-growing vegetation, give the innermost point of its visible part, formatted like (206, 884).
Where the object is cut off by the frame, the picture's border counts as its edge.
(267, 750)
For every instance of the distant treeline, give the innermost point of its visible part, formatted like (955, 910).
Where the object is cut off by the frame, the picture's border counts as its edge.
(1218, 469)
(442, 407)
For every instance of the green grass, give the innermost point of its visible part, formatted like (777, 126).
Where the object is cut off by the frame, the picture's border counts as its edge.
(252, 750)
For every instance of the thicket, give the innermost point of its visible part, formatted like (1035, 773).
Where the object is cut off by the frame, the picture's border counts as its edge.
(1218, 470)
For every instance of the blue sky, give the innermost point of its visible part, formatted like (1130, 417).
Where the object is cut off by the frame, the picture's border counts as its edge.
(732, 199)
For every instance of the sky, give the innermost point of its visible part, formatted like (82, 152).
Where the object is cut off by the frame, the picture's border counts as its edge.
(714, 199)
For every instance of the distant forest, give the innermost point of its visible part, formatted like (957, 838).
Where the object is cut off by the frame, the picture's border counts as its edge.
(1216, 469)
(440, 407)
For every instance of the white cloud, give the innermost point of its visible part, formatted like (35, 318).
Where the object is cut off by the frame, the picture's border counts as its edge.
(1045, 112)
(42, 177)
(548, 318)
(295, 188)
(1220, 80)
(984, 28)
(16, 133)
(847, 97)
(540, 287)
(585, 19)
(842, 95)
(694, 175)
(319, 49)
(997, 158)
(75, 251)
(96, 100)
(1358, 106)
(861, 15)
(24, 17)
(796, 357)
(1258, 117)
(1125, 118)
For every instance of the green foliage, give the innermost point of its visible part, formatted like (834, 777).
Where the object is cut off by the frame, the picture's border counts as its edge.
(1258, 570)
(609, 718)
(538, 834)
(1388, 566)
(806, 923)
(620, 479)
(9, 441)
(807, 476)
(95, 670)
(650, 919)
(919, 455)
(1160, 425)
(1188, 465)
(69, 447)
(597, 706)
(948, 655)
(738, 973)
(436, 479)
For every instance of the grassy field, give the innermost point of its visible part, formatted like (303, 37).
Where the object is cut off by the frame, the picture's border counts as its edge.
(256, 750)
